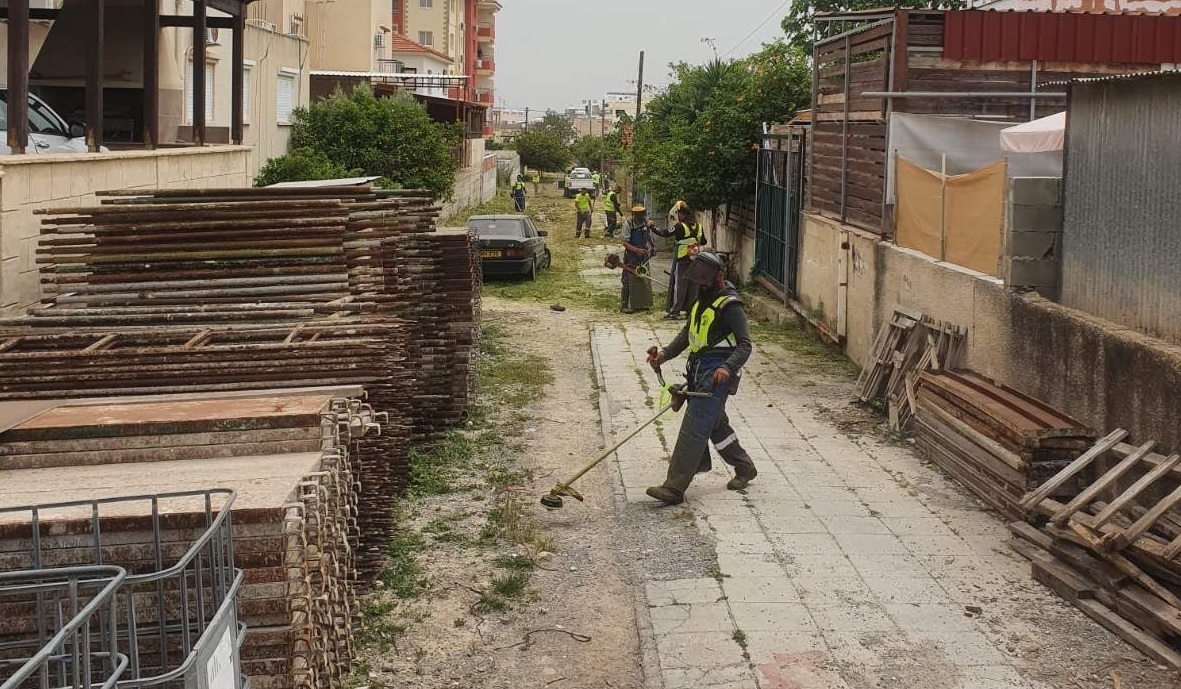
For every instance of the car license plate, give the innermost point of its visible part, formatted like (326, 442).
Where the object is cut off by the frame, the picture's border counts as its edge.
(489, 254)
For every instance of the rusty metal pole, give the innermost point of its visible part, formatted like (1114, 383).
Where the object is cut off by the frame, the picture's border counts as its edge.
(151, 125)
(18, 75)
(94, 78)
(198, 75)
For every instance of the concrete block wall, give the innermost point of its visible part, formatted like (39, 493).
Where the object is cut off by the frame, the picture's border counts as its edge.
(473, 185)
(1106, 375)
(1033, 235)
(30, 182)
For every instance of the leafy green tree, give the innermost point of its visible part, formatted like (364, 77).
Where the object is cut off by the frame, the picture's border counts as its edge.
(299, 165)
(696, 139)
(557, 125)
(391, 137)
(800, 24)
(542, 149)
(588, 151)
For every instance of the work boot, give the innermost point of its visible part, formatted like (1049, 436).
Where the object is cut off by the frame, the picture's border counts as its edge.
(669, 496)
(742, 479)
(626, 310)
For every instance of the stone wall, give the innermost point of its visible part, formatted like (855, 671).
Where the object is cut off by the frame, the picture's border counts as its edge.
(473, 185)
(1106, 375)
(30, 182)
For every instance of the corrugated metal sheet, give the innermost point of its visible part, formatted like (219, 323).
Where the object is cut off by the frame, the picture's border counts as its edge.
(1121, 236)
(1062, 37)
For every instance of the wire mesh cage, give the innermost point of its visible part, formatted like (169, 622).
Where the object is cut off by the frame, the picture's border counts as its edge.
(66, 636)
(175, 612)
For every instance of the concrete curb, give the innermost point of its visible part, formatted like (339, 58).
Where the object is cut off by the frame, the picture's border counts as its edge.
(649, 659)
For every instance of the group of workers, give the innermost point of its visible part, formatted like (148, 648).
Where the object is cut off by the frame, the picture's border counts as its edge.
(715, 333)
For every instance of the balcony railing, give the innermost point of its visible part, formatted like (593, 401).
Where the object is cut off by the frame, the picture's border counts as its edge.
(391, 66)
(485, 32)
(488, 66)
(487, 97)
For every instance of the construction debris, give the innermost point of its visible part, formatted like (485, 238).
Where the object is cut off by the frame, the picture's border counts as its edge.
(294, 518)
(1111, 548)
(991, 438)
(906, 346)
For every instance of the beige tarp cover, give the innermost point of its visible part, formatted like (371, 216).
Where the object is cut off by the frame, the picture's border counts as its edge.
(1038, 136)
(955, 218)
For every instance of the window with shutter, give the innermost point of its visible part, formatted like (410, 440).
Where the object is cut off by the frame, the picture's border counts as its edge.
(285, 98)
(209, 90)
(247, 92)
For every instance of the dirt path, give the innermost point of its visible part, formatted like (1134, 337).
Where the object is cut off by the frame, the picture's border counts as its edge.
(452, 610)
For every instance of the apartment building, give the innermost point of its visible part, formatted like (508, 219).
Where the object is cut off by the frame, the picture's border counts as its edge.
(465, 31)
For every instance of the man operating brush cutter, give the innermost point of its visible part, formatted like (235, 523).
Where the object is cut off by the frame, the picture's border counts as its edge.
(719, 344)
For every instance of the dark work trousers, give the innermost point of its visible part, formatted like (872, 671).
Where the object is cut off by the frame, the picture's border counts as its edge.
(519, 203)
(612, 223)
(681, 292)
(705, 420)
(584, 220)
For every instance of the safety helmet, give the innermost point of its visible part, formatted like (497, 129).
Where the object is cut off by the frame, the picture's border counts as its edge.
(704, 267)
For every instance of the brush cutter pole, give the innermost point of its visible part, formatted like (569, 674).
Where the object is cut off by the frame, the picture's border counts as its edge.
(607, 453)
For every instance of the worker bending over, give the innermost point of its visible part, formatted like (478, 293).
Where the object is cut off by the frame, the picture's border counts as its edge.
(719, 345)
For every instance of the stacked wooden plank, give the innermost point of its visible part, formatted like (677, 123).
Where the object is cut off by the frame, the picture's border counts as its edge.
(906, 346)
(1111, 546)
(294, 521)
(996, 441)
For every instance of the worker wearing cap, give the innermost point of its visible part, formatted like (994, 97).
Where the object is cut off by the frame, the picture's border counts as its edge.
(719, 345)
(689, 238)
(636, 291)
(583, 206)
(611, 208)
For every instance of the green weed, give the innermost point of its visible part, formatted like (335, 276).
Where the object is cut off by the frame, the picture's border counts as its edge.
(818, 355)
(403, 574)
(510, 584)
(515, 562)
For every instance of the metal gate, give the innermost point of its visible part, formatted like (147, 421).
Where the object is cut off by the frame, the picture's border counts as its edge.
(778, 192)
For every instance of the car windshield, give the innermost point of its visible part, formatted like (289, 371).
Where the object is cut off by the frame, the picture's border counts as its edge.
(42, 120)
(580, 175)
(497, 227)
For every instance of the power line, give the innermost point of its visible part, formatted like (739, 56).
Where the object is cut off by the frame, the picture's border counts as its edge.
(763, 23)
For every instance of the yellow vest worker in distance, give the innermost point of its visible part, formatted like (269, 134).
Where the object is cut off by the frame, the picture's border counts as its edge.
(536, 183)
(719, 345)
(611, 208)
(583, 205)
(598, 179)
(518, 194)
(689, 238)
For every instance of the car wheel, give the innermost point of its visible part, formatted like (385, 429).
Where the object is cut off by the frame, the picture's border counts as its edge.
(533, 269)
(549, 259)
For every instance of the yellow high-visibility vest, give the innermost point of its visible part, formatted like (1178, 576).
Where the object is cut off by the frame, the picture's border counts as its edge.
(700, 321)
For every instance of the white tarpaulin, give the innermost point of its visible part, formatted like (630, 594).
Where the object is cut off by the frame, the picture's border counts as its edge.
(1038, 136)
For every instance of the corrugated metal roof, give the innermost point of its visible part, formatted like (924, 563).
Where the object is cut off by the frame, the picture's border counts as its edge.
(992, 36)
(1130, 76)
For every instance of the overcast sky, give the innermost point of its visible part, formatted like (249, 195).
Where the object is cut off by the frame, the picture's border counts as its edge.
(555, 53)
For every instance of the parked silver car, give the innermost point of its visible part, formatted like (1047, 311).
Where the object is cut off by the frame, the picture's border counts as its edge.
(48, 131)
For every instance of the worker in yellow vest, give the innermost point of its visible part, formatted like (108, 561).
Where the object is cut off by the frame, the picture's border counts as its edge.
(611, 208)
(584, 205)
(719, 345)
(689, 238)
(536, 183)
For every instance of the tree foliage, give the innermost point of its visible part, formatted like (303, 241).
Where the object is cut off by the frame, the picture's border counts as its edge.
(545, 144)
(299, 165)
(800, 23)
(358, 132)
(696, 138)
(588, 151)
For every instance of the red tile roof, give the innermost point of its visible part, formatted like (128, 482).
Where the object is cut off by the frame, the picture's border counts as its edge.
(401, 44)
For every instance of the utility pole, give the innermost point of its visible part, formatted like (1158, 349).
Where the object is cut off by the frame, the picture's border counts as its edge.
(640, 87)
(526, 118)
(602, 137)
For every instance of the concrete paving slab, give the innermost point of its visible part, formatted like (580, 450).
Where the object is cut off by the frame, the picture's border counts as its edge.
(847, 564)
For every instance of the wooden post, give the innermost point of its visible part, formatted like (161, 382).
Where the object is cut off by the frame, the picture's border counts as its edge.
(238, 67)
(198, 76)
(18, 75)
(94, 78)
(151, 122)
